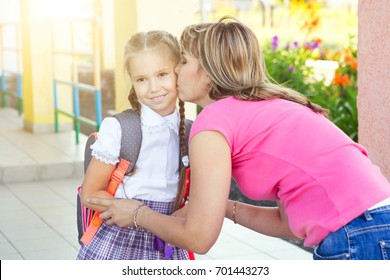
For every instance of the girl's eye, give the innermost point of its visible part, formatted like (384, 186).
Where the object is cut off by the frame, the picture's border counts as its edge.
(163, 74)
(140, 80)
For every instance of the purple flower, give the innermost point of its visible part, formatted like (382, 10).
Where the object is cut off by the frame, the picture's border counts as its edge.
(296, 44)
(314, 45)
(291, 69)
(275, 42)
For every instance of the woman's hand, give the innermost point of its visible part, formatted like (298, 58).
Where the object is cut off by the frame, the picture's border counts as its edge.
(119, 211)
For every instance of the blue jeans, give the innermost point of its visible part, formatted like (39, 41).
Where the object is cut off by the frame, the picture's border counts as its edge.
(366, 237)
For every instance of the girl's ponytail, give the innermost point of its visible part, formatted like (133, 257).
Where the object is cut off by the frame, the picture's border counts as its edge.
(184, 158)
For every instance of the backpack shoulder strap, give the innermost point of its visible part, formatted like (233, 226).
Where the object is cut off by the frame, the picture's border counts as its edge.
(131, 138)
(88, 151)
(188, 128)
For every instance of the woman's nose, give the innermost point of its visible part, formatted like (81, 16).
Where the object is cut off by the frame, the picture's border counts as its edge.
(177, 68)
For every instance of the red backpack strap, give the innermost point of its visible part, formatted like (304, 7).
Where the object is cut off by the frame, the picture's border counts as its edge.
(116, 178)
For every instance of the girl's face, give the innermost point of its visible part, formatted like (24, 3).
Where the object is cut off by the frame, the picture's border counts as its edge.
(192, 83)
(154, 79)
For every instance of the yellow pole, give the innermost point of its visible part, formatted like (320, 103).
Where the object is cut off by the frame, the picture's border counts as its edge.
(18, 49)
(96, 53)
(1, 48)
(125, 24)
(96, 30)
(36, 61)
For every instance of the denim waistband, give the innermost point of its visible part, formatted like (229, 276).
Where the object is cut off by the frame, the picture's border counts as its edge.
(367, 214)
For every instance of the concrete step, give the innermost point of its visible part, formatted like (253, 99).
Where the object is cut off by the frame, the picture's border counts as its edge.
(28, 157)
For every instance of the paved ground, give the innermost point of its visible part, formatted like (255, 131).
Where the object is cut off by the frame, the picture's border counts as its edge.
(39, 175)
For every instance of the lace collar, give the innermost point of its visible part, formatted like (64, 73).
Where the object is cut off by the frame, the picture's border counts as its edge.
(153, 122)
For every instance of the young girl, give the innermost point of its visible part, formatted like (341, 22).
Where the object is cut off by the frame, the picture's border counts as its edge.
(149, 59)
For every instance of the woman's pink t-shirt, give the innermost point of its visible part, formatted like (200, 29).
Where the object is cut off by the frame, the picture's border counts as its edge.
(283, 150)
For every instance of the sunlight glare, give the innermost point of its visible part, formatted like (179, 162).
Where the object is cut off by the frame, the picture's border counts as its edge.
(64, 9)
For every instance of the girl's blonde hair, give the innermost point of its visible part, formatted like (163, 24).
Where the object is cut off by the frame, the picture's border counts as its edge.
(143, 41)
(165, 42)
(229, 53)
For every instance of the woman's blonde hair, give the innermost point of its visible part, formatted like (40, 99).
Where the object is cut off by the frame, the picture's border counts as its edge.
(229, 53)
(165, 42)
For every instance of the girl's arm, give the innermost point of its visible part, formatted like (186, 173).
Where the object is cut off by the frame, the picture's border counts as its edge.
(95, 182)
(270, 221)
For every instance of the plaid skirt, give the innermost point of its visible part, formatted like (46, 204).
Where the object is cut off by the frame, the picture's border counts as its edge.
(116, 243)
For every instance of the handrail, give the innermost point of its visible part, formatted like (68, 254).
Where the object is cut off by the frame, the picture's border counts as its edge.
(75, 115)
(76, 56)
(4, 72)
(18, 95)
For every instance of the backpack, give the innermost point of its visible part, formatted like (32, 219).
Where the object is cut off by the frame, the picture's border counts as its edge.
(131, 140)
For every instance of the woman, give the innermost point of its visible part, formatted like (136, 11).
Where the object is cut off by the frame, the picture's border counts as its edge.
(278, 146)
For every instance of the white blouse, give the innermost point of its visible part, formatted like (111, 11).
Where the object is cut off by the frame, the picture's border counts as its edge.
(157, 168)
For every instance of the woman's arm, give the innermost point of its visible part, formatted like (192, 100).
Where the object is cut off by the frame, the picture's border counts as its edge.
(270, 221)
(210, 184)
(180, 212)
(95, 182)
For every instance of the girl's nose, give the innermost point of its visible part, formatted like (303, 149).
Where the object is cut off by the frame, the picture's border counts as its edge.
(154, 86)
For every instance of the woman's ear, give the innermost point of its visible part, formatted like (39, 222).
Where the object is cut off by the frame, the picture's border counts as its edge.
(205, 78)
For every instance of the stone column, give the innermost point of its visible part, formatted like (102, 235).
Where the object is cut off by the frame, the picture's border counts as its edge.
(37, 69)
(374, 81)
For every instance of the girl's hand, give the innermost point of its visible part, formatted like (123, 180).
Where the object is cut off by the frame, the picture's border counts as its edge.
(119, 211)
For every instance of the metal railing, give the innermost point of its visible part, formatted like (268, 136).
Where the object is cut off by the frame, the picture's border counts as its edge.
(7, 93)
(10, 43)
(77, 57)
(75, 115)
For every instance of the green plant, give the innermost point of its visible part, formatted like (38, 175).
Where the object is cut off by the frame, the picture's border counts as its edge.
(287, 65)
(344, 91)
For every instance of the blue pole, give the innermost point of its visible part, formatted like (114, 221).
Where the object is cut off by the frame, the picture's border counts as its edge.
(3, 88)
(76, 110)
(19, 84)
(55, 106)
(3, 85)
(98, 107)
